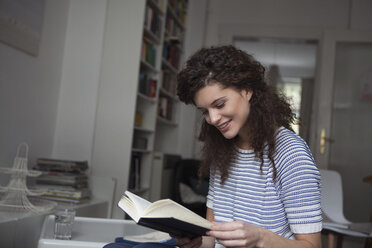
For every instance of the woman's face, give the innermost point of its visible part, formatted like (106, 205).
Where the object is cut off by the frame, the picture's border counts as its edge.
(225, 108)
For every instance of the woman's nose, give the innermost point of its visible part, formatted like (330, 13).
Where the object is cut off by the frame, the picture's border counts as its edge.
(214, 117)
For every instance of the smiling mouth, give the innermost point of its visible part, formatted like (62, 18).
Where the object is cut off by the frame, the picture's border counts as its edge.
(224, 126)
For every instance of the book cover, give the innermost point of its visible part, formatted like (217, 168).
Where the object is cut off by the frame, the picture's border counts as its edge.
(164, 215)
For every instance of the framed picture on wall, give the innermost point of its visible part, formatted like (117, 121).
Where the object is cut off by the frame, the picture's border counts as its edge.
(21, 23)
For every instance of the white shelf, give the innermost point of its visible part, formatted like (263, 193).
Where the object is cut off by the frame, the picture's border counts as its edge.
(149, 67)
(146, 98)
(164, 121)
(141, 150)
(118, 95)
(145, 130)
(169, 95)
(175, 17)
(151, 36)
(158, 130)
(169, 67)
(156, 7)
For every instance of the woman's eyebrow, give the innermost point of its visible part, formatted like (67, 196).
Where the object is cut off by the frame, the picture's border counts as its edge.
(214, 102)
(218, 99)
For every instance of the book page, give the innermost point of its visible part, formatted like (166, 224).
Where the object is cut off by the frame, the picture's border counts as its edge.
(140, 203)
(128, 206)
(168, 208)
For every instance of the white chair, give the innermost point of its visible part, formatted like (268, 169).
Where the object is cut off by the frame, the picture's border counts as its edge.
(335, 223)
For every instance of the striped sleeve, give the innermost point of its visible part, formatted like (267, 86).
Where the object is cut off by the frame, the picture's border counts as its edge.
(210, 195)
(299, 185)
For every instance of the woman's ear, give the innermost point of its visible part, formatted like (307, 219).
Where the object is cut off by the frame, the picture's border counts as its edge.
(248, 94)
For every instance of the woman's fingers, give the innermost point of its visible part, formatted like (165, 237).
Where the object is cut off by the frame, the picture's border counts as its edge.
(227, 226)
(234, 234)
(229, 230)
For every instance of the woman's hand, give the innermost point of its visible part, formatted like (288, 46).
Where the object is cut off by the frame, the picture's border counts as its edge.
(236, 234)
(189, 243)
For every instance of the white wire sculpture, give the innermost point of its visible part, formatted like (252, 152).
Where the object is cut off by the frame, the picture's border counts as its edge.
(16, 196)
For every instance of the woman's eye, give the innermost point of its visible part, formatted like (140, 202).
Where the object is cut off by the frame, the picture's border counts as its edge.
(205, 112)
(220, 105)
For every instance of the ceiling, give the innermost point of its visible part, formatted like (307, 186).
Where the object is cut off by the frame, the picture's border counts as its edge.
(295, 58)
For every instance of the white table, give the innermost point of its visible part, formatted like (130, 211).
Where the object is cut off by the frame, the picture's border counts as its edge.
(20, 229)
(89, 232)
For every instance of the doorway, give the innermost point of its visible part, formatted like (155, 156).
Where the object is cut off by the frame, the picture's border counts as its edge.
(290, 66)
(351, 134)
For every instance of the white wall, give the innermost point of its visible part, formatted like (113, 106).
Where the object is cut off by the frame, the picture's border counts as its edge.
(194, 40)
(79, 82)
(29, 89)
(49, 101)
(304, 14)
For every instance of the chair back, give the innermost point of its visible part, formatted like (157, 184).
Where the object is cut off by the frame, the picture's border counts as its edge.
(186, 170)
(332, 196)
(187, 174)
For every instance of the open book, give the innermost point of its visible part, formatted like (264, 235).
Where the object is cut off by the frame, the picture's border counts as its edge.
(164, 215)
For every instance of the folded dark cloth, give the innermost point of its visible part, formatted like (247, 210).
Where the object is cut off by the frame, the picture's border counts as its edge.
(123, 243)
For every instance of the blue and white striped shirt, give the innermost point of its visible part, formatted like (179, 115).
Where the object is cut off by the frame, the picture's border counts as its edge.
(287, 206)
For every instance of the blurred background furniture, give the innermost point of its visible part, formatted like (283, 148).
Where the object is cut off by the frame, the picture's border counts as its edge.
(162, 175)
(89, 232)
(335, 225)
(188, 190)
(103, 189)
(27, 225)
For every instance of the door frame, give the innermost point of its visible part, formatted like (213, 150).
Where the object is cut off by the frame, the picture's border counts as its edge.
(322, 106)
(229, 32)
(323, 82)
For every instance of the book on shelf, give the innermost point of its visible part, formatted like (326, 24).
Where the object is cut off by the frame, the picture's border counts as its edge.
(171, 27)
(152, 21)
(148, 52)
(164, 215)
(179, 7)
(169, 82)
(138, 119)
(135, 172)
(147, 86)
(172, 54)
(165, 108)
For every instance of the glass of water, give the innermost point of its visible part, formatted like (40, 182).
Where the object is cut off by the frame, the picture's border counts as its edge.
(63, 220)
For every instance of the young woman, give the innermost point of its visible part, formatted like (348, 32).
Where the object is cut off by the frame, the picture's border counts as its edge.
(264, 185)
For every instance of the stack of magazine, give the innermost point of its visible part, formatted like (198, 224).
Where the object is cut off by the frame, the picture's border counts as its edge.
(65, 181)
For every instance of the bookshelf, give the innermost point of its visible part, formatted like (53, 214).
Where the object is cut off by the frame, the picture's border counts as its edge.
(156, 128)
(142, 52)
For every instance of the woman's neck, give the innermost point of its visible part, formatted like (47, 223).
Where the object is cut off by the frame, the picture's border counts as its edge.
(243, 143)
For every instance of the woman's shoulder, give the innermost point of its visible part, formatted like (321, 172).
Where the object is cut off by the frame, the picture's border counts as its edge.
(286, 140)
(291, 151)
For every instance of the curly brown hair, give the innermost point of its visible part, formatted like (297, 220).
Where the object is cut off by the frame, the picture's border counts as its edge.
(231, 67)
